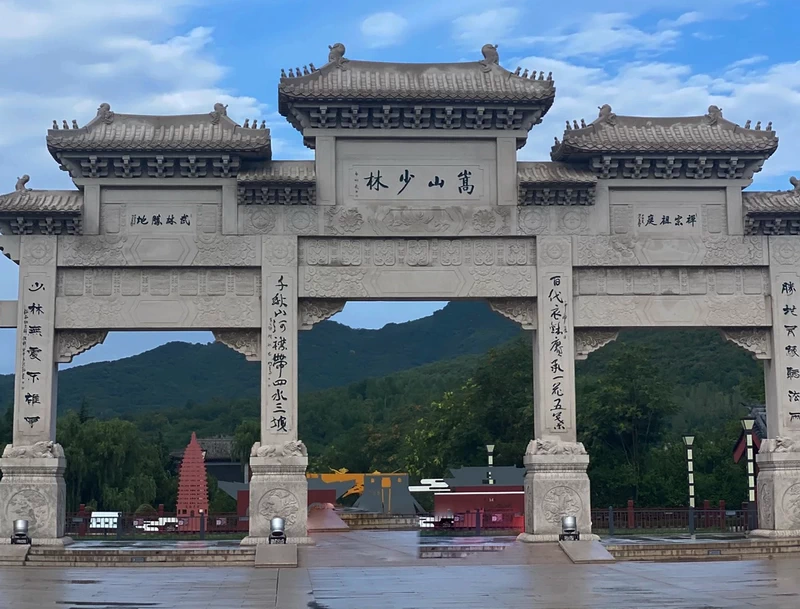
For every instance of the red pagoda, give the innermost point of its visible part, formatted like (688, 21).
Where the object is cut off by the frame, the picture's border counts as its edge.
(192, 488)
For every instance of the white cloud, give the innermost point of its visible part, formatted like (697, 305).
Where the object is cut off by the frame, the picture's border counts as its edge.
(487, 27)
(383, 29)
(665, 89)
(747, 61)
(603, 34)
(61, 60)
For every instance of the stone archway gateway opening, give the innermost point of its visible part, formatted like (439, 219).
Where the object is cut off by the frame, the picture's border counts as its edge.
(186, 222)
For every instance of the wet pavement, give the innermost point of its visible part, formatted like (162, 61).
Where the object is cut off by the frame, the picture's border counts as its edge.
(370, 570)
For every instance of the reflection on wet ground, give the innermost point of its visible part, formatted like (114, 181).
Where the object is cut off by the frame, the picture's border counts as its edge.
(368, 570)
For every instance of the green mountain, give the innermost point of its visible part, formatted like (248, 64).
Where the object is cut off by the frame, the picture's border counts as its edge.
(330, 354)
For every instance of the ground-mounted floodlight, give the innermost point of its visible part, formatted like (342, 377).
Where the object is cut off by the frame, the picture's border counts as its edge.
(569, 529)
(20, 535)
(277, 532)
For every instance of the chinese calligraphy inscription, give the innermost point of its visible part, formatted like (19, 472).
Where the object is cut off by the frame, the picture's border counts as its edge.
(151, 219)
(418, 182)
(36, 366)
(673, 221)
(789, 314)
(559, 332)
(280, 353)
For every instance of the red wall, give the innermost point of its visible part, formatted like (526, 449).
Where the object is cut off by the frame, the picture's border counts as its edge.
(488, 502)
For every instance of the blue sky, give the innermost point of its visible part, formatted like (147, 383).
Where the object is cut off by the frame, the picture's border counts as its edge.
(60, 60)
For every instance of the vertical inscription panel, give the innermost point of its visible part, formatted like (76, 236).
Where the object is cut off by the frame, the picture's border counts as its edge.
(554, 361)
(35, 398)
(787, 351)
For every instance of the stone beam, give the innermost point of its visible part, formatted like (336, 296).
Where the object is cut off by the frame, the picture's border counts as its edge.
(8, 313)
(588, 340)
(755, 340)
(519, 310)
(70, 343)
(246, 342)
(314, 310)
(10, 246)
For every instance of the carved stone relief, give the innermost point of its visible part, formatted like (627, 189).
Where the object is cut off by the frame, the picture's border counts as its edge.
(561, 501)
(281, 503)
(519, 310)
(624, 250)
(70, 343)
(591, 339)
(670, 311)
(175, 312)
(38, 250)
(313, 311)
(203, 249)
(670, 281)
(755, 340)
(246, 342)
(784, 251)
(790, 503)
(418, 252)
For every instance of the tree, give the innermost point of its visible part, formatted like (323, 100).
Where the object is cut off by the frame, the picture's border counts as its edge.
(247, 433)
(622, 416)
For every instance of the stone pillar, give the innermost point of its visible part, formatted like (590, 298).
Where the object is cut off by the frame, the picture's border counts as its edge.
(778, 485)
(33, 466)
(556, 483)
(278, 487)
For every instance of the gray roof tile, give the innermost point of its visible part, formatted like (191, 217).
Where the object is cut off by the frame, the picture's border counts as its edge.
(543, 172)
(710, 133)
(110, 132)
(42, 201)
(281, 171)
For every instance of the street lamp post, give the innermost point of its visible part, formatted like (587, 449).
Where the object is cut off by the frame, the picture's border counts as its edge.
(689, 442)
(747, 425)
(490, 450)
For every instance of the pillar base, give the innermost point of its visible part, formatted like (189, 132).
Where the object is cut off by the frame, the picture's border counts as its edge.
(299, 541)
(33, 489)
(528, 538)
(556, 485)
(778, 494)
(278, 488)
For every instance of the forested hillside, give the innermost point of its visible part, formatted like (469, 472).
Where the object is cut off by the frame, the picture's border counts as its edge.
(636, 396)
(331, 355)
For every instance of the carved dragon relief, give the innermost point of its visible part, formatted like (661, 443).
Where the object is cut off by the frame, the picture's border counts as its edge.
(592, 339)
(755, 340)
(314, 310)
(519, 310)
(246, 342)
(70, 343)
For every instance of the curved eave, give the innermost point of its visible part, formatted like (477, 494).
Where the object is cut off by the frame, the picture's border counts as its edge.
(568, 152)
(42, 202)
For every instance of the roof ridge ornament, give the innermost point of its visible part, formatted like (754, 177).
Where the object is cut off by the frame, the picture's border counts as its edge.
(105, 114)
(714, 114)
(336, 55)
(21, 183)
(605, 116)
(220, 110)
(490, 56)
(795, 183)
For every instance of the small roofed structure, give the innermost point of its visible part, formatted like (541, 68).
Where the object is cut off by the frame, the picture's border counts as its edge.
(135, 145)
(352, 94)
(347, 97)
(773, 213)
(706, 146)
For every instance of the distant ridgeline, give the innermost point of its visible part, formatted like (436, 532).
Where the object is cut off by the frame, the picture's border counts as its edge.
(334, 355)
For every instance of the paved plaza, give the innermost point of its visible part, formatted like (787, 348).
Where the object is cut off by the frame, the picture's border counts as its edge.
(379, 570)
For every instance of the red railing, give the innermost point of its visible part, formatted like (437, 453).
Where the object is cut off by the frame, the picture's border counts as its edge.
(706, 518)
